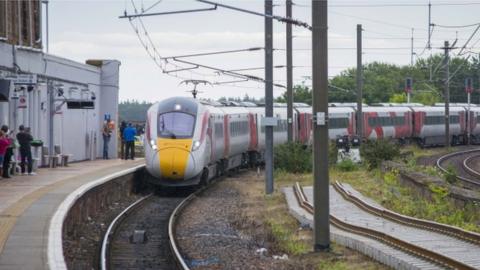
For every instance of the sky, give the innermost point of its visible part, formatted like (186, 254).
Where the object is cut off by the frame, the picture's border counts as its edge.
(91, 29)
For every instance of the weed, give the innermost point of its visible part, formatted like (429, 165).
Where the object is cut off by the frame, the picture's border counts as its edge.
(451, 174)
(293, 157)
(376, 151)
(347, 165)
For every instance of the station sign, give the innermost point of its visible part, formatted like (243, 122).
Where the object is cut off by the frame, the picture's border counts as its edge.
(23, 79)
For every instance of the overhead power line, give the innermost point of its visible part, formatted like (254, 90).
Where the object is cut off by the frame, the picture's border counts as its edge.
(215, 53)
(394, 5)
(275, 17)
(456, 26)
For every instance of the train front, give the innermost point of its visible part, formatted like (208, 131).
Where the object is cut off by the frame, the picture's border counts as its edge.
(170, 142)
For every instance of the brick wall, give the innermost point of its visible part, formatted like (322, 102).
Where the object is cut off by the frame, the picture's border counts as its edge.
(20, 22)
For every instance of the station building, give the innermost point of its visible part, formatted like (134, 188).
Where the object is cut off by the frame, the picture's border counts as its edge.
(65, 103)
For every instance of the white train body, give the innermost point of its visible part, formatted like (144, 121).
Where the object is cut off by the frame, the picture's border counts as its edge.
(189, 141)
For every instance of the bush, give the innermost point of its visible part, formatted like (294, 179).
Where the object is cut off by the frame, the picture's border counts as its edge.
(293, 157)
(332, 153)
(451, 174)
(373, 152)
(347, 165)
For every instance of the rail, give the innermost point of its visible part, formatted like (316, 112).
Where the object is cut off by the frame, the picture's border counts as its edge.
(468, 168)
(180, 261)
(447, 156)
(382, 237)
(406, 220)
(104, 251)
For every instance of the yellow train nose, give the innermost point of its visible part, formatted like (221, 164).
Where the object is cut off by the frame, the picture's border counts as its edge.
(173, 156)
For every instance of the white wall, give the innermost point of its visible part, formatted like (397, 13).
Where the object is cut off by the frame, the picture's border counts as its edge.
(78, 131)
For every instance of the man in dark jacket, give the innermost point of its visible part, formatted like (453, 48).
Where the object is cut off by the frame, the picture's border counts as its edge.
(25, 139)
(129, 137)
(8, 155)
(123, 126)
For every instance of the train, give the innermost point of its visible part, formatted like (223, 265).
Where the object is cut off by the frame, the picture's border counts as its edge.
(189, 141)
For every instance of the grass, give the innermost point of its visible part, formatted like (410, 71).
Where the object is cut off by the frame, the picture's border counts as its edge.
(285, 232)
(389, 192)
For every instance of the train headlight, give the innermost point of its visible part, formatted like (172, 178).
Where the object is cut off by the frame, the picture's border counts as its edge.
(153, 145)
(195, 145)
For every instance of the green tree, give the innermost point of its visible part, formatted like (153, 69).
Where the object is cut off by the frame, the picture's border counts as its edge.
(301, 93)
(132, 110)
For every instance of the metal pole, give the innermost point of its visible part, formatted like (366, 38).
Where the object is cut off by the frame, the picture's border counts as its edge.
(289, 74)
(268, 97)
(320, 130)
(447, 95)
(429, 45)
(359, 82)
(408, 97)
(411, 51)
(51, 108)
(46, 25)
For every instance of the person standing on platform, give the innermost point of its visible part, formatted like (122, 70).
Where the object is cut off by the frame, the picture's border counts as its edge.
(4, 144)
(123, 125)
(8, 154)
(25, 139)
(129, 137)
(107, 134)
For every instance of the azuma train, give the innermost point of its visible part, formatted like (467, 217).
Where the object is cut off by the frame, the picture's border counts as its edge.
(190, 141)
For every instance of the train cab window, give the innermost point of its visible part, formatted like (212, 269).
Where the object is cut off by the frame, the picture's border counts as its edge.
(175, 125)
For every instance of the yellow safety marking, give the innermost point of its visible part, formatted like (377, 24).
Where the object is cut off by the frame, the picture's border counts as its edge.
(173, 156)
(8, 218)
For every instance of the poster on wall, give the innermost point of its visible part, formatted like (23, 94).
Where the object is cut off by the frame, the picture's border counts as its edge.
(22, 102)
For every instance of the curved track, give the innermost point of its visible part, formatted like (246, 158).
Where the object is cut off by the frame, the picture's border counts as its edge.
(437, 243)
(470, 166)
(152, 214)
(462, 161)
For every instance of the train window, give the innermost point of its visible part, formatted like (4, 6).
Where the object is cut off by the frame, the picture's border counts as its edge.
(218, 130)
(175, 125)
(434, 120)
(339, 122)
(454, 119)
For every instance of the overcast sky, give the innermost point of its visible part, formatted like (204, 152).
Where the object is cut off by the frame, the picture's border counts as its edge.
(81, 30)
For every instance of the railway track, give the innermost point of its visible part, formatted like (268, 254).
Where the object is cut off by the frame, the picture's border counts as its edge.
(462, 162)
(446, 246)
(152, 219)
(467, 164)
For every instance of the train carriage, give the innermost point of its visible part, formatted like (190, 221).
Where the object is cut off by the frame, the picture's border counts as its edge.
(341, 122)
(475, 124)
(429, 125)
(387, 122)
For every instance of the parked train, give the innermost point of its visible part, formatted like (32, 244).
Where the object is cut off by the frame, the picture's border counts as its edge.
(189, 141)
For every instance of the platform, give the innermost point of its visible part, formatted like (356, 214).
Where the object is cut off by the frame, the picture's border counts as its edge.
(27, 204)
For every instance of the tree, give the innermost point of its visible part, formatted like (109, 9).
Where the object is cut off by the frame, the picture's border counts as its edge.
(301, 93)
(132, 110)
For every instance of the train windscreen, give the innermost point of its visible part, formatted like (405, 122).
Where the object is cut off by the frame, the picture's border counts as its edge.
(175, 125)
